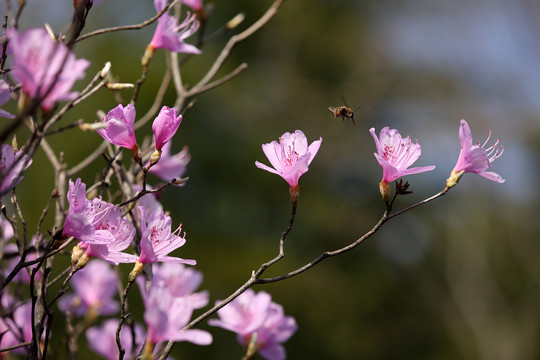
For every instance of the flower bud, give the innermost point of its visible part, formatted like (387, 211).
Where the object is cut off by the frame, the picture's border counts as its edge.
(83, 261)
(119, 86)
(76, 254)
(136, 154)
(154, 158)
(454, 178)
(137, 269)
(235, 21)
(148, 54)
(384, 188)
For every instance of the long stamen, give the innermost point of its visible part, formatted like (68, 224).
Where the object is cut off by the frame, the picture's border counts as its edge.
(485, 142)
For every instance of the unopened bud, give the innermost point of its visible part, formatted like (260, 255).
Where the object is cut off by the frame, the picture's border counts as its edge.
(76, 254)
(119, 86)
(92, 126)
(137, 269)
(454, 178)
(83, 261)
(384, 188)
(105, 70)
(154, 158)
(148, 54)
(181, 181)
(14, 144)
(235, 21)
(137, 154)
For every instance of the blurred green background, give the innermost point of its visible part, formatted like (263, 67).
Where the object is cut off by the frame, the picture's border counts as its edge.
(455, 279)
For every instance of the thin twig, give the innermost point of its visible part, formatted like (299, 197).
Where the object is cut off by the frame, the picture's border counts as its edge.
(157, 100)
(128, 27)
(218, 82)
(272, 10)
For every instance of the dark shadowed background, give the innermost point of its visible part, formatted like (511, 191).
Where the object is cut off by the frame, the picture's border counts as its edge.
(455, 279)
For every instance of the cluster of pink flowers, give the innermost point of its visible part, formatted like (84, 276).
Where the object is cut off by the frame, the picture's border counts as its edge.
(98, 225)
(255, 318)
(102, 231)
(119, 130)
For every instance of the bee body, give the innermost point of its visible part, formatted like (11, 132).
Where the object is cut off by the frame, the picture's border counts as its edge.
(343, 112)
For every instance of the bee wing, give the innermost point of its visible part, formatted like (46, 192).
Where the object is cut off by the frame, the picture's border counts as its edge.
(331, 108)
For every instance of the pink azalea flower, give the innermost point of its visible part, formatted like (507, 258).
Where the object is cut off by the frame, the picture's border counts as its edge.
(18, 329)
(119, 130)
(102, 339)
(5, 94)
(245, 314)
(12, 165)
(98, 226)
(396, 154)
(95, 287)
(251, 314)
(171, 166)
(46, 68)
(181, 281)
(170, 35)
(157, 239)
(165, 126)
(290, 157)
(477, 158)
(165, 315)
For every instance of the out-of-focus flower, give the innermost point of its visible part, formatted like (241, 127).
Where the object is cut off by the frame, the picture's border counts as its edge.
(165, 126)
(157, 240)
(17, 329)
(46, 68)
(12, 165)
(149, 201)
(120, 130)
(98, 226)
(23, 275)
(181, 281)
(290, 157)
(254, 317)
(6, 230)
(165, 315)
(95, 287)
(171, 166)
(170, 35)
(196, 5)
(5, 93)
(102, 339)
(475, 158)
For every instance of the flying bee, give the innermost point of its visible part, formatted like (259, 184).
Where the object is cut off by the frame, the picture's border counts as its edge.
(344, 112)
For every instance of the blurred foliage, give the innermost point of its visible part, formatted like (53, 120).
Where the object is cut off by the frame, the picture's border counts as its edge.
(457, 278)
